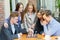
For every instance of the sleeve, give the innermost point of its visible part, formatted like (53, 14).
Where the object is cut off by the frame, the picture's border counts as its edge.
(9, 35)
(45, 29)
(35, 19)
(38, 27)
(6, 20)
(25, 23)
(52, 30)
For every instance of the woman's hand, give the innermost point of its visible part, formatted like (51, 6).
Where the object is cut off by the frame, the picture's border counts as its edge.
(43, 34)
(30, 31)
(33, 26)
(5, 25)
(20, 34)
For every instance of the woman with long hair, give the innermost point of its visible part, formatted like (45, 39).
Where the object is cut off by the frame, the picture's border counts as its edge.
(29, 16)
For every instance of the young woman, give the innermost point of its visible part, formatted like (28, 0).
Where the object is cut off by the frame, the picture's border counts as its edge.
(30, 16)
(19, 9)
(38, 26)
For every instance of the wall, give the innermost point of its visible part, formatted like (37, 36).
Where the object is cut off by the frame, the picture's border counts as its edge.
(1, 12)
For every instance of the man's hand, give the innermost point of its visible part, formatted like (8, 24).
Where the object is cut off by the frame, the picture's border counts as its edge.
(5, 25)
(20, 34)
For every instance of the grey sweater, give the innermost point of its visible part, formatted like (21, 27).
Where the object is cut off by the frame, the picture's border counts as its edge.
(29, 20)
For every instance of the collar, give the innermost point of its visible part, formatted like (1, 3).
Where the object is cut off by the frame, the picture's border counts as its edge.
(51, 20)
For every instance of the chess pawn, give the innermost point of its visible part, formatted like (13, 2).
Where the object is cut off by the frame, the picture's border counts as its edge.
(47, 37)
(58, 38)
(30, 33)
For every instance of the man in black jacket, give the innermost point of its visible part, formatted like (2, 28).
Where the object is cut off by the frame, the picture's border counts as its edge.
(11, 32)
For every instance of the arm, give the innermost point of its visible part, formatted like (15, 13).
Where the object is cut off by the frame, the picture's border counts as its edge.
(34, 21)
(6, 22)
(52, 30)
(25, 23)
(45, 29)
(9, 35)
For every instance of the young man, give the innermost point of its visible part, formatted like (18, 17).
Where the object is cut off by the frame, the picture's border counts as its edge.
(51, 26)
(11, 32)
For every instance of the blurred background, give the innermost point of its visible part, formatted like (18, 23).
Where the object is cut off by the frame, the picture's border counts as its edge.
(7, 6)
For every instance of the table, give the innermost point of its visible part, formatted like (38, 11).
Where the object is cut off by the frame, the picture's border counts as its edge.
(39, 37)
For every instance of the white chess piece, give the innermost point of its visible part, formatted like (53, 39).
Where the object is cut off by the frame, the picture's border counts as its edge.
(58, 38)
(47, 37)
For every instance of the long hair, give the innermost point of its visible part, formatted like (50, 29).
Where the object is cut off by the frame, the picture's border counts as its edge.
(18, 6)
(17, 9)
(26, 9)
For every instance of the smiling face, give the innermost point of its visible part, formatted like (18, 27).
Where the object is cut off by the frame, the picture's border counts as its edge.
(21, 8)
(30, 8)
(47, 18)
(15, 20)
(14, 17)
(39, 15)
(44, 17)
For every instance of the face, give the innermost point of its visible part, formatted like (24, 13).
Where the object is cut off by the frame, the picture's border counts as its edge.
(39, 15)
(15, 20)
(30, 8)
(21, 8)
(47, 18)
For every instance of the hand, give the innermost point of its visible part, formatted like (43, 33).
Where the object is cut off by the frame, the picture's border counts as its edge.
(20, 34)
(5, 25)
(33, 26)
(43, 34)
(30, 32)
(16, 23)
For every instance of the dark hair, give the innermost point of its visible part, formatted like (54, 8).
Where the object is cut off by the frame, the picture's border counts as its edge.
(47, 12)
(13, 14)
(18, 6)
(40, 11)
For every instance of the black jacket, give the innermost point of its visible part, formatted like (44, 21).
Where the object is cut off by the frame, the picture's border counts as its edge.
(38, 27)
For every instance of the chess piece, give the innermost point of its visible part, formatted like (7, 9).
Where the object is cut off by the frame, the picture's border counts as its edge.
(30, 33)
(47, 37)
